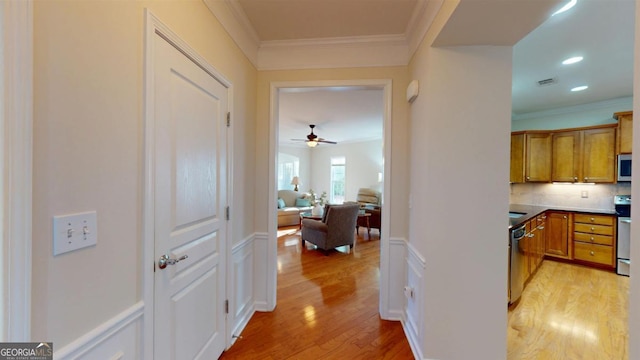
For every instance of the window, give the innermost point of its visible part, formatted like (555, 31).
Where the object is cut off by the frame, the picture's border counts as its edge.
(288, 167)
(338, 167)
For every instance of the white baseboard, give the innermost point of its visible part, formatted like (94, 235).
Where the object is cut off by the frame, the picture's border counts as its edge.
(118, 338)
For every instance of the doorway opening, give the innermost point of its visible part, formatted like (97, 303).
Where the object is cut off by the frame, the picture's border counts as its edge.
(278, 133)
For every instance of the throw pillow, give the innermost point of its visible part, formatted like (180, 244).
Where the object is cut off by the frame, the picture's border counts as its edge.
(302, 202)
(281, 204)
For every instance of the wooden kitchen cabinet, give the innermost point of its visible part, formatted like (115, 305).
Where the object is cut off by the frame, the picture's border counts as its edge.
(517, 157)
(625, 131)
(571, 155)
(534, 246)
(538, 157)
(584, 155)
(557, 241)
(599, 155)
(594, 239)
(566, 156)
(541, 237)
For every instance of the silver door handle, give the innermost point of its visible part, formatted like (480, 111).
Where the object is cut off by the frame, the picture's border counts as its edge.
(166, 260)
(626, 221)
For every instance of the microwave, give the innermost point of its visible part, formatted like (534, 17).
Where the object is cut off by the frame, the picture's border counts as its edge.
(624, 167)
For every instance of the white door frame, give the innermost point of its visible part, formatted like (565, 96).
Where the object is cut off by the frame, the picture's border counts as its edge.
(154, 26)
(16, 135)
(272, 252)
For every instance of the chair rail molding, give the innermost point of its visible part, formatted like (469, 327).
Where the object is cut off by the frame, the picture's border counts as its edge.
(16, 134)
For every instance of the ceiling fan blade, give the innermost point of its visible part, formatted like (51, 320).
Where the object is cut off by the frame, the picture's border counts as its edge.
(327, 141)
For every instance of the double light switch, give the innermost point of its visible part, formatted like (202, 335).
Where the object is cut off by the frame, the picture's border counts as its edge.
(75, 231)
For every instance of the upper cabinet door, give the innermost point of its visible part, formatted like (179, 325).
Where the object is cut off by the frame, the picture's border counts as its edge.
(625, 131)
(538, 154)
(517, 158)
(599, 155)
(566, 159)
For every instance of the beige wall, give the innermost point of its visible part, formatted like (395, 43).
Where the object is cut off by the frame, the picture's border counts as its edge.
(88, 149)
(459, 146)
(363, 163)
(399, 142)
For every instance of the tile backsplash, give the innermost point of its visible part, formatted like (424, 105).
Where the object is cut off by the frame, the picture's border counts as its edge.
(569, 196)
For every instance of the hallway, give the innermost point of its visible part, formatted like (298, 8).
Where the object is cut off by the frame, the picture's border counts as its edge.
(327, 307)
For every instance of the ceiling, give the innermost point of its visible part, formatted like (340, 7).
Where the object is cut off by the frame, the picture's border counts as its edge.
(341, 114)
(314, 19)
(600, 31)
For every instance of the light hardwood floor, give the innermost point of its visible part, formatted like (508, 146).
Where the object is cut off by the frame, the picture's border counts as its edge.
(328, 309)
(570, 312)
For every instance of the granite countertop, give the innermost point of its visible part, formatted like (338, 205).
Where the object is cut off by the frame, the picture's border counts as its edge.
(531, 211)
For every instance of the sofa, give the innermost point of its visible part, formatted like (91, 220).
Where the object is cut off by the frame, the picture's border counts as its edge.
(290, 205)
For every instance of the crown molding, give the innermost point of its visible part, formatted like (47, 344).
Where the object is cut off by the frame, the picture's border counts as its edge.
(359, 51)
(356, 51)
(421, 20)
(622, 101)
(233, 19)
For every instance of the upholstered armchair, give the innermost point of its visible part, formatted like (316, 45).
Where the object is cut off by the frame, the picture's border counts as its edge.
(336, 229)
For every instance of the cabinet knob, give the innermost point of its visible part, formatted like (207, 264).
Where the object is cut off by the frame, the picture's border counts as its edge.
(564, 217)
(575, 178)
(585, 179)
(592, 219)
(592, 228)
(592, 253)
(528, 178)
(592, 238)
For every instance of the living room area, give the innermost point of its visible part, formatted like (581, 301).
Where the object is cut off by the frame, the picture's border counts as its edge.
(330, 151)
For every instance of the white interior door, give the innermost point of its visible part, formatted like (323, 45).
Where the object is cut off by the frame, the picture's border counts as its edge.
(190, 200)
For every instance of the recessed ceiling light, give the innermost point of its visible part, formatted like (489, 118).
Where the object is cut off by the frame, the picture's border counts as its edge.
(580, 88)
(572, 60)
(569, 5)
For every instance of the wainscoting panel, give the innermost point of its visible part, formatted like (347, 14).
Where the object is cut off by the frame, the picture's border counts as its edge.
(414, 297)
(397, 278)
(241, 288)
(261, 271)
(118, 338)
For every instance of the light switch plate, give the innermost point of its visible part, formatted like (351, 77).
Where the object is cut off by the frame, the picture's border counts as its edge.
(74, 231)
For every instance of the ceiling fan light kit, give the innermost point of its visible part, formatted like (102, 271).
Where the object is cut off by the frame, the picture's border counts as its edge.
(313, 140)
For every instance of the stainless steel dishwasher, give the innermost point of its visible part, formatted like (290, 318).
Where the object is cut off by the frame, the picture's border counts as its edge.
(516, 258)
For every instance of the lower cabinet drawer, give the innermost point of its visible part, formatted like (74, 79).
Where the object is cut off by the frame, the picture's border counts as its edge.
(595, 253)
(593, 229)
(594, 239)
(595, 219)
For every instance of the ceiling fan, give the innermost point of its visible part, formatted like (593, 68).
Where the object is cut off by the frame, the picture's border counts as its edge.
(313, 140)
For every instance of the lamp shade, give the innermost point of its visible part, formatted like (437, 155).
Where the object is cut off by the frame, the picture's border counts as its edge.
(295, 182)
(312, 143)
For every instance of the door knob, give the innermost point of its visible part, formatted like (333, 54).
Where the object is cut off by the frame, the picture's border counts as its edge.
(166, 260)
